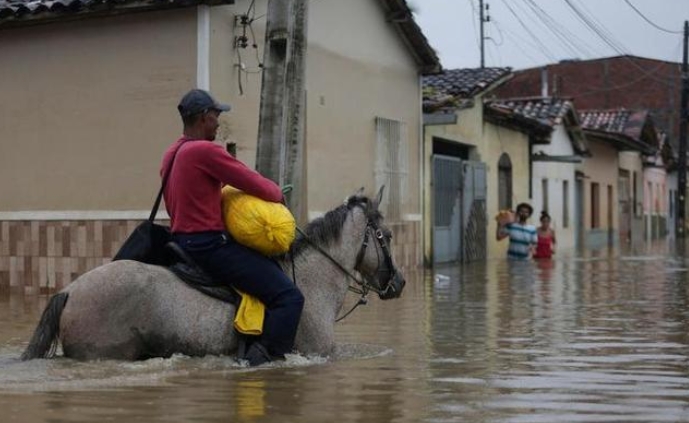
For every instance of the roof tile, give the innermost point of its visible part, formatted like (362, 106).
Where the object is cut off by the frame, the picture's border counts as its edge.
(622, 121)
(465, 83)
(544, 110)
(455, 88)
(16, 10)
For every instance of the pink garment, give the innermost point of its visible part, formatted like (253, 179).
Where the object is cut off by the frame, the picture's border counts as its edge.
(193, 191)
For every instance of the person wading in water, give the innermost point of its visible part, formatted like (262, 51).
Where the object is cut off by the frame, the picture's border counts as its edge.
(522, 235)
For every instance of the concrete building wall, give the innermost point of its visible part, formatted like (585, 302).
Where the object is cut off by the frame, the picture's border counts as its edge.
(352, 78)
(558, 178)
(488, 143)
(655, 202)
(631, 162)
(601, 171)
(93, 105)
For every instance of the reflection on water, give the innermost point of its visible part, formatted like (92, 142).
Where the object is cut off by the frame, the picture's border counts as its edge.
(601, 338)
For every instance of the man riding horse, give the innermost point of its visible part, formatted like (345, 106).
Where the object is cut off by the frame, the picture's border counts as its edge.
(199, 170)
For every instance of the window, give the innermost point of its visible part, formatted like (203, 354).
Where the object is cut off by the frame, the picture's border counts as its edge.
(595, 205)
(504, 182)
(544, 193)
(391, 165)
(565, 204)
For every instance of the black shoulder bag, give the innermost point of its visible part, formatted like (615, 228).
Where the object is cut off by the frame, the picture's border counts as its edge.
(147, 242)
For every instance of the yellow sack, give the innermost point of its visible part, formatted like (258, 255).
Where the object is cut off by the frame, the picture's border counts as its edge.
(264, 226)
(249, 317)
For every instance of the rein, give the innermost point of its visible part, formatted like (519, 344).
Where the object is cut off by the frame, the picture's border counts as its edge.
(365, 286)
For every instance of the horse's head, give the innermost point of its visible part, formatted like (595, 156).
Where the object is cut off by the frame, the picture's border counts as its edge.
(374, 260)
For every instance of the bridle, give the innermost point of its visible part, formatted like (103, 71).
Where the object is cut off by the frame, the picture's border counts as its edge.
(384, 276)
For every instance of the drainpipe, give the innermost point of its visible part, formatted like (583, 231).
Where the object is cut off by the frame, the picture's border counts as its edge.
(203, 44)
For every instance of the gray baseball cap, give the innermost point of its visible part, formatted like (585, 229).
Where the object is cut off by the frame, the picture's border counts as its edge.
(197, 101)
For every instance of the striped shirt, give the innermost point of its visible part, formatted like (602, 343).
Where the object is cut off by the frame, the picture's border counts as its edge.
(522, 237)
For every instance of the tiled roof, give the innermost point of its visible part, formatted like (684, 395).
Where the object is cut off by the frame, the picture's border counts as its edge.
(623, 125)
(16, 11)
(400, 15)
(456, 88)
(621, 121)
(546, 111)
(538, 116)
(465, 83)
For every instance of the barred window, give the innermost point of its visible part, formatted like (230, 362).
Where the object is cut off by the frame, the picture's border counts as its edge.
(391, 165)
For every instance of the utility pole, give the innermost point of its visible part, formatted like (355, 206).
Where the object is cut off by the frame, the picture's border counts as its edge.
(294, 171)
(272, 118)
(483, 37)
(684, 115)
(279, 155)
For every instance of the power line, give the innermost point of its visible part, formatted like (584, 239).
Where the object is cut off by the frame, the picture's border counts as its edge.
(544, 50)
(650, 21)
(518, 45)
(541, 21)
(598, 29)
(473, 23)
(567, 37)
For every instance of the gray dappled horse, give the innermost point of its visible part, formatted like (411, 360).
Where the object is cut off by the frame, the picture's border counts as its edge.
(129, 310)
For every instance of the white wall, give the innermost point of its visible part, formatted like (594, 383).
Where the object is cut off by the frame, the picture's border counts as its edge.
(555, 173)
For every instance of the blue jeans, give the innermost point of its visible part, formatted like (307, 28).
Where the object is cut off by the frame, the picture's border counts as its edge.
(247, 270)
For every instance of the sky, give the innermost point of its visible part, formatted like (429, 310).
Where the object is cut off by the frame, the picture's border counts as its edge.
(530, 33)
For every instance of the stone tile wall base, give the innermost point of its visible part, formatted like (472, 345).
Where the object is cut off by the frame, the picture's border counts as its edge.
(42, 257)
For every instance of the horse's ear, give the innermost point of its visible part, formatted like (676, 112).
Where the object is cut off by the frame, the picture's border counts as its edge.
(379, 196)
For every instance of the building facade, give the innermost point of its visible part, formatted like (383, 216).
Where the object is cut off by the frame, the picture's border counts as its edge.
(96, 89)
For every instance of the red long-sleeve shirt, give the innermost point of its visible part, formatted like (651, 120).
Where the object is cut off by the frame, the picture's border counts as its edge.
(193, 191)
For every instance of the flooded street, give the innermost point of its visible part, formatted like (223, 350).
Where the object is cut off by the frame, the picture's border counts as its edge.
(602, 338)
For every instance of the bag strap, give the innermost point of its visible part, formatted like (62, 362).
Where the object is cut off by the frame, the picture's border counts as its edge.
(156, 205)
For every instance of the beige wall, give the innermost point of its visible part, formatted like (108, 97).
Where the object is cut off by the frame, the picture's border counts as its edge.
(89, 107)
(94, 103)
(352, 78)
(632, 162)
(516, 144)
(601, 168)
(93, 106)
(490, 142)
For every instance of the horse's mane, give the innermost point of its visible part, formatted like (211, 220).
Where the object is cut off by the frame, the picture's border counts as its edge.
(325, 230)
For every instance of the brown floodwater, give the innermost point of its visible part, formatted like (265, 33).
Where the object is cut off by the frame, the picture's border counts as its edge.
(599, 338)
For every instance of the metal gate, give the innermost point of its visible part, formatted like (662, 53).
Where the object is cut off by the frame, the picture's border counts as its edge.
(459, 210)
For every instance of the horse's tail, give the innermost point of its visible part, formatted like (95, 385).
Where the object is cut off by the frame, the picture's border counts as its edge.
(44, 340)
